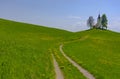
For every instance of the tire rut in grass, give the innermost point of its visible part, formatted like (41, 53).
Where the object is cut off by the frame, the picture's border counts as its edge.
(82, 70)
(58, 72)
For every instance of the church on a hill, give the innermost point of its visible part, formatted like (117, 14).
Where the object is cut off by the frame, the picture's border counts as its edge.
(98, 24)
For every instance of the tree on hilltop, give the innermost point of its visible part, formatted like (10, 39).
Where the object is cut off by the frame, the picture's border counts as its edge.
(104, 21)
(90, 22)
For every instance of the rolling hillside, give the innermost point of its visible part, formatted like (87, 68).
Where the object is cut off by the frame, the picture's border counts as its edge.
(25, 52)
(98, 51)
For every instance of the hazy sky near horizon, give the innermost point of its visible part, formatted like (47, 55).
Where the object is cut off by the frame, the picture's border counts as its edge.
(65, 14)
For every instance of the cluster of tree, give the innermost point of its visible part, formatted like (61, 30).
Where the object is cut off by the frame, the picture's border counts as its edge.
(102, 22)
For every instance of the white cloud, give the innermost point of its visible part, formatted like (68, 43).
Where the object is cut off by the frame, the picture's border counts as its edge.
(75, 23)
(78, 26)
(114, 24)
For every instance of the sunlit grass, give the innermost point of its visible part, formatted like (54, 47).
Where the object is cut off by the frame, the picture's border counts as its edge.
(99, 53)
(24, 50)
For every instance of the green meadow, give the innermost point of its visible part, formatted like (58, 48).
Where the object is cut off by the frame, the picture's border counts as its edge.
(98, 51)
(25, 52)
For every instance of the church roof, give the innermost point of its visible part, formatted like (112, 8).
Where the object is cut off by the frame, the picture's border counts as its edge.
(99, 16)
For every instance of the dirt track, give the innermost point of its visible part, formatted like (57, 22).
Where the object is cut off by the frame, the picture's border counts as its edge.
(58, 72)
(82, 70)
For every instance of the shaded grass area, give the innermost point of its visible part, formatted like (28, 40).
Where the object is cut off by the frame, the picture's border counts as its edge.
(98, 51)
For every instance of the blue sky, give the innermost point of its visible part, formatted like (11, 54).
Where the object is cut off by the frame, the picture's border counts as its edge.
(65, 14)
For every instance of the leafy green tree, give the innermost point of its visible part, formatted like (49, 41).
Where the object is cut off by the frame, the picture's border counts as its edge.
(104, 21)
(90, 22)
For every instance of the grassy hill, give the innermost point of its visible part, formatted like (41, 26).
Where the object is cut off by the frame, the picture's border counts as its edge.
(25, 52)
(97, 51)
